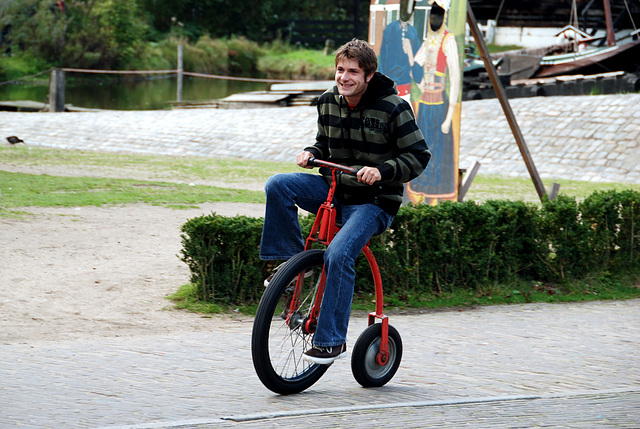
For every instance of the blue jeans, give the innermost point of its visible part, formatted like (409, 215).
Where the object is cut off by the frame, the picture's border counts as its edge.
(282, 238)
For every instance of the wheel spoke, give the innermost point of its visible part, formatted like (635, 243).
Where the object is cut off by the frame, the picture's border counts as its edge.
(288, 351)
(288, 344)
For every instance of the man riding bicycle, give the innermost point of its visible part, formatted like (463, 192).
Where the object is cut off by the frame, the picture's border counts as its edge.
(362, 123)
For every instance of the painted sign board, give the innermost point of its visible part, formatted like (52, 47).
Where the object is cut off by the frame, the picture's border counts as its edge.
(420, 45)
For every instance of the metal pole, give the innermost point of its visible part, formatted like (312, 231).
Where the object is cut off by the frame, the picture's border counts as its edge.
(506, 107)
(180, 70)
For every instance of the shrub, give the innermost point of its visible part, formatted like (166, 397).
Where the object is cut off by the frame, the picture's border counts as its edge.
(613, 221)
(566, 236)
(436, 250)
(243, 56)
(289, 62)
(222, 254)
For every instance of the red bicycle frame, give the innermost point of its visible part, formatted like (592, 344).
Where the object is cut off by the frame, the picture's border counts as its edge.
(323, 230)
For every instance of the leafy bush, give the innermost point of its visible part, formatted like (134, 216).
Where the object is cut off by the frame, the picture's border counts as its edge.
(283, 61)
(235, 56)
(613, 221)
(565, 233)
(463, 245)
(243, 56)
(436, 250)
(207, 56)
(222, 254)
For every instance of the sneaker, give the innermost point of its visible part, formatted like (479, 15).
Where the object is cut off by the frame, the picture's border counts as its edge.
(268, 279)
(325, 355)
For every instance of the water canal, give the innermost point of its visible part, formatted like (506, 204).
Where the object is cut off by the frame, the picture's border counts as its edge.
(130, 94)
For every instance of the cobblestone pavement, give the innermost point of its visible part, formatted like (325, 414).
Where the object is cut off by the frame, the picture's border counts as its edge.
(593, 138)
(529, 365)
(614, 409)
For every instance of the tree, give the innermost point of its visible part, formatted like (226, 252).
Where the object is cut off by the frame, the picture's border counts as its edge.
(84, 33)
(250, 18)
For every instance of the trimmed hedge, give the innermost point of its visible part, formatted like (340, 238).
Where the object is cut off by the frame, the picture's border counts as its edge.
(438, 249)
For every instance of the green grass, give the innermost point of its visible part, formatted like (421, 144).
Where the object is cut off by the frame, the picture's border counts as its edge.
(309, 56)
(82, 178)
(20, 65)
(185, 299)
(29, 190)
(491, 187)
(171, 168)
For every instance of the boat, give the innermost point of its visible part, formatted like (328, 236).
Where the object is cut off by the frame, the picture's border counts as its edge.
(579, 54)
(591, 59)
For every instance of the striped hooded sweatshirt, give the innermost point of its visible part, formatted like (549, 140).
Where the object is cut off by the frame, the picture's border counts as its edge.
(379, 132)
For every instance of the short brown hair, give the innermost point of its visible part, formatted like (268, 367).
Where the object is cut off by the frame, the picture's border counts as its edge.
(360, 51)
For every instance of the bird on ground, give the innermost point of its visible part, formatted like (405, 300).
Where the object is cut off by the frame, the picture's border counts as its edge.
(13, 140)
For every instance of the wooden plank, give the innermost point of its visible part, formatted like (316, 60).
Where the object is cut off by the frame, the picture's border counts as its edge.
(22, 105)
(320, 85)
(467, 184)
(249, 97)
(553, 193)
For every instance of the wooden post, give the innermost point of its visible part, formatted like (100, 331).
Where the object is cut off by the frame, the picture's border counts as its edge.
(553, 193)
(56, 90)
(611, 37)
(180, 70)
(502, 97)
(329, 47)
(467, 184)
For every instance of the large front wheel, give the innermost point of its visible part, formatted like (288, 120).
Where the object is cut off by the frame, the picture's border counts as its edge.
(278, 340)
(364, 363)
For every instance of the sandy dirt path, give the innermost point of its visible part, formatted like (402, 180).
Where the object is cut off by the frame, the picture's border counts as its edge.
(68, 273)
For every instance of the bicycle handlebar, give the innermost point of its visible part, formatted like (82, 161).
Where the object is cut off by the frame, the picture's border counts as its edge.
(320, 163)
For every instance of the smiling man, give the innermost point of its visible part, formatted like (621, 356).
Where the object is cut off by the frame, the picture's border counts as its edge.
(362, 123)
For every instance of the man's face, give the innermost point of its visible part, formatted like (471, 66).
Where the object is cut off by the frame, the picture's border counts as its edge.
(351, 80)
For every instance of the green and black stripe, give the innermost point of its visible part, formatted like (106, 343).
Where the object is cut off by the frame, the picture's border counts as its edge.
(380, 132)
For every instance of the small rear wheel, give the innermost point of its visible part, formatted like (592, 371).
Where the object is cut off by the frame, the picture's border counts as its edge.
(364, 364)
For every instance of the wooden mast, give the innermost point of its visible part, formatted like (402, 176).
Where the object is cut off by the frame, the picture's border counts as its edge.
(611, 37)
(504, 102)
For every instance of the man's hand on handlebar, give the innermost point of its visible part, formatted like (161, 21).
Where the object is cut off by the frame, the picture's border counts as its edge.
(302, 159)
(369, 175)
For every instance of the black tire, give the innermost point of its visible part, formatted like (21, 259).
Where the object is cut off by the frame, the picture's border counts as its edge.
(277, 347)
(364, 366)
